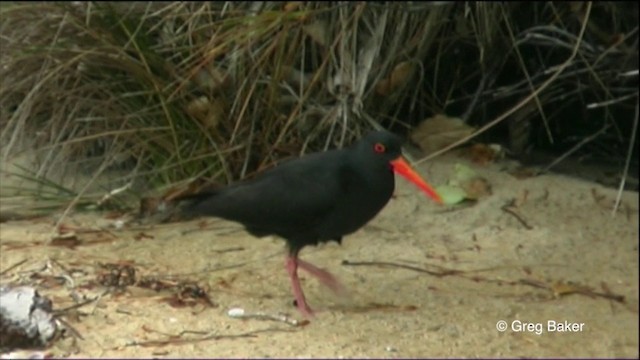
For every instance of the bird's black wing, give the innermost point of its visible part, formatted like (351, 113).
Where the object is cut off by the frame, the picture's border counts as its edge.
(289, 200)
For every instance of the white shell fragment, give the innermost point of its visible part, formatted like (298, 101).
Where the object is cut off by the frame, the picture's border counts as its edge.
(25, 318)
(239, 313)
(236, 312)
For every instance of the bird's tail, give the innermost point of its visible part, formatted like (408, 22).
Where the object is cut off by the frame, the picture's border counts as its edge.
(173, 208)
(187, 206)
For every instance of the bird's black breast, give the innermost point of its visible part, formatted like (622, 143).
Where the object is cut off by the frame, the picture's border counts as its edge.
(362, 199)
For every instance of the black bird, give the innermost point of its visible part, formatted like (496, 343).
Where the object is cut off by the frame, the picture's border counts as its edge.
(315, 198)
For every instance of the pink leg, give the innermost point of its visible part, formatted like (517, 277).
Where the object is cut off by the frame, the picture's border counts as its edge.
(325, 277)
(292, 269)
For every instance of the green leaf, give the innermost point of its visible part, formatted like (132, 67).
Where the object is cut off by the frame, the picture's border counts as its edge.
(451, 194)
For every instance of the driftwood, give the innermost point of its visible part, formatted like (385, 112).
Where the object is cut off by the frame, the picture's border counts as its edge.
(26, 318)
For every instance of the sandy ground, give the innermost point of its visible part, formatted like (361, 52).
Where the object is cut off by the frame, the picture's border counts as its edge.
(566, 262)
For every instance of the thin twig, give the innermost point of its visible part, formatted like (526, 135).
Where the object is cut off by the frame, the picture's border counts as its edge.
(523, 67)
(226, 267)
(582, 290)
(611, 102)
(508, 208)
(176, 340)
(627, 162)
(476, 97)
(114, 192)
(574, 149)
(76, 306)
(72, 329)
(445, 272)
(13, 266)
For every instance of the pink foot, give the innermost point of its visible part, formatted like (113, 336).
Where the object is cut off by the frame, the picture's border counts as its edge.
(325, 277)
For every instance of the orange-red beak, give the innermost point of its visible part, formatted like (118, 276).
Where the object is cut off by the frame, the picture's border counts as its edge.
(401, 167)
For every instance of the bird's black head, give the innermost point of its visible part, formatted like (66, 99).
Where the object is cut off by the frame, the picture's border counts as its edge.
(380, 146)
(382, 150)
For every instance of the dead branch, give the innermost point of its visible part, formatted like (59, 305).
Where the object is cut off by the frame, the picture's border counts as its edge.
(509, 208)
(179, 340)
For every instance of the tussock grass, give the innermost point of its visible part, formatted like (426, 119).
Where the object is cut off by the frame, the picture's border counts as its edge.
(163, 93)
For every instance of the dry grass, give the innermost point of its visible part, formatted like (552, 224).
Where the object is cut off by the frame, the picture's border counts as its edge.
(167, 92)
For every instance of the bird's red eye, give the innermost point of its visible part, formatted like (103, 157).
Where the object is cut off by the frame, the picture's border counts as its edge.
(379, 148)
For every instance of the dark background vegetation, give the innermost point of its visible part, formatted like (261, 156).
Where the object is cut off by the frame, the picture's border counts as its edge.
(169, 92)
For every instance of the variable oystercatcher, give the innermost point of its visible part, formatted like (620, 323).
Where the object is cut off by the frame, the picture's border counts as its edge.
(315, 198)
